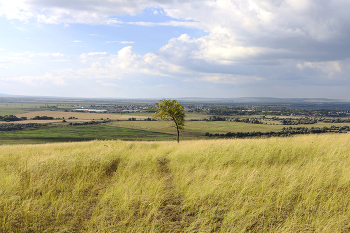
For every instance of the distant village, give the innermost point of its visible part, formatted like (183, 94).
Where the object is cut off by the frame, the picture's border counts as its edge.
(110, 109)
(215, 110)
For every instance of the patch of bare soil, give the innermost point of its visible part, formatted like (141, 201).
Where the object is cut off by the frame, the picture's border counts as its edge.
(170, 215)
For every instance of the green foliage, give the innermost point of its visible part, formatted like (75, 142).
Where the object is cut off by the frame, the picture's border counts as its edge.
(10, 118)
(42, 118)
(171, 110)
(12, 126)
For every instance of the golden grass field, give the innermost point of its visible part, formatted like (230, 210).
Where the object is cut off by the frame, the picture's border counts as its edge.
(295, 184)
(82, 116)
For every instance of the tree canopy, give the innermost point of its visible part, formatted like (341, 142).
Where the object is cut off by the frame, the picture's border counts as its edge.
(167, 109)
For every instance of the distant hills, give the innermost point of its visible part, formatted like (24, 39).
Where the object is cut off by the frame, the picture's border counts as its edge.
(240, 100)
(261, 100)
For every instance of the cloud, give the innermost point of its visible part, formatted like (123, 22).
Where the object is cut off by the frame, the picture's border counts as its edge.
(30, 54)
(7, 60)
(267, 30)
(126, 42)
(37, 80)
(1, 49)
(170, 23)
(78, 41)
(121, 42)
(255, 42)
(107, 84)
(50, 54)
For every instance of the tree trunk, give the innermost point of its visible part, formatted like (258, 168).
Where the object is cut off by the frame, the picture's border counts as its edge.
(178, 135)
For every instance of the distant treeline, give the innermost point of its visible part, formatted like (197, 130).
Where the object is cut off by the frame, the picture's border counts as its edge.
(11, 126)
(283, 121)
(307, 120)
(9, 118)
(89, 122)
(42, 118)
(236, 119)
(285, 132)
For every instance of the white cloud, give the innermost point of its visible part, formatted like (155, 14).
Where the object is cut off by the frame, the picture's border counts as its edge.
(37, 80)
(170, 23)
(126, 42)
(330, 68)
(247, 42)
(30, 54)
(326, 66)
(78, 41)
(14, 59)
(231, 79)
(1, 49)
(51, 54)
(93, 56)
(107, 84)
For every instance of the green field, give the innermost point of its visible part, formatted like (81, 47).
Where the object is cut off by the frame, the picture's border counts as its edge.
(136, 130)
(18, 108)
(132, 130)
(197, 129)
(297, 184)
(79, 133)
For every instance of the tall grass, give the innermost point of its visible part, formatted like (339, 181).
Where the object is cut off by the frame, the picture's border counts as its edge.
(296, 184)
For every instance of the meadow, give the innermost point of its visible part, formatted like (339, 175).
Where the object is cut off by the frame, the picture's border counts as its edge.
(79, 133)
(120, 128)
(139, 130)
(296, 184)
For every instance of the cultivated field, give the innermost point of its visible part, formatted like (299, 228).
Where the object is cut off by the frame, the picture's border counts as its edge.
(298, 184)
(82, 116)
(120, 128)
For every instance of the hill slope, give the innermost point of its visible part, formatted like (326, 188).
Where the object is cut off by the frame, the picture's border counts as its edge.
(277, 184)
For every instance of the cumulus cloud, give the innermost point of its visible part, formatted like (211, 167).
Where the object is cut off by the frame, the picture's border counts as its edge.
(251, 42)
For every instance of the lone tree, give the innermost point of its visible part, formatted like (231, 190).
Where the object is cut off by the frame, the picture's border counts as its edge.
(171, 109)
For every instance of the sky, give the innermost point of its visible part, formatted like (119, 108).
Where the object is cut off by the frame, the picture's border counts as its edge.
(175, 48)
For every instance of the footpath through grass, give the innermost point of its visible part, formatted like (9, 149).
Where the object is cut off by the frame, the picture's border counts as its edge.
(297, 184)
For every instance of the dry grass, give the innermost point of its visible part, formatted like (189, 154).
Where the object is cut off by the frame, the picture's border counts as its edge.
(298, 184)
(80, 115)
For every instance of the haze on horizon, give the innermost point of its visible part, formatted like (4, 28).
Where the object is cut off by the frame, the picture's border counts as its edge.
(174, 48)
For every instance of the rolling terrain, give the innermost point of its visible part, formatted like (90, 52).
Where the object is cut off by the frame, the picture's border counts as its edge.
(295, 184)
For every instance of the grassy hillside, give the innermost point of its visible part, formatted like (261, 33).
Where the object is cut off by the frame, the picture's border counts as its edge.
(296, 184)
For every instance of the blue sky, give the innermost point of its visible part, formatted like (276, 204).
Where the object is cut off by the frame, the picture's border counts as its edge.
(175, 48)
